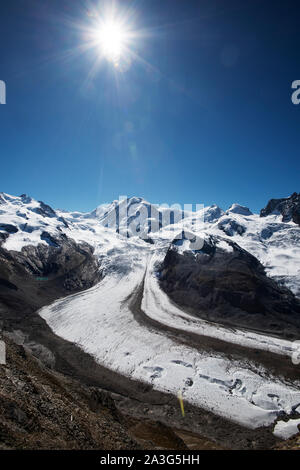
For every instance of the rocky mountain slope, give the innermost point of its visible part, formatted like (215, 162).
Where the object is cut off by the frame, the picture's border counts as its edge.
(41, 409)
(288, 207)
(275, 242)
(226, 284)
(142, 314)
(39, 274)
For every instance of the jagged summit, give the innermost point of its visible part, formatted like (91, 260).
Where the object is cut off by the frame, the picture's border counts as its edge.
(136, 214)
(288, 207)
(24, 221)
(212, 213)
(235, 278)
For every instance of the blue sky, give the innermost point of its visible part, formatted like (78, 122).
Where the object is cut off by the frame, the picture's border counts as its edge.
(203, 116)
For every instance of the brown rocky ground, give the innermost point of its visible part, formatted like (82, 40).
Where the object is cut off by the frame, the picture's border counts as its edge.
(56, 399)
(290, 444)
(41, 409)
(159, 436)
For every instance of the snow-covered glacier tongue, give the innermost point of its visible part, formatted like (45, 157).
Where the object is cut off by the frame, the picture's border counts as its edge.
(131, 323)
(106, 322)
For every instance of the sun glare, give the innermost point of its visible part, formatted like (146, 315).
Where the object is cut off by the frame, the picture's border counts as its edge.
(113, 35)
(112, 40)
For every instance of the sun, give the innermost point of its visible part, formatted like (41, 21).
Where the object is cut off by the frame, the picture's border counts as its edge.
(111, 37)
(112, 34)
(112, 40)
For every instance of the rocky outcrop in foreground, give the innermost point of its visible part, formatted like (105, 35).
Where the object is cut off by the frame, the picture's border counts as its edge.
(41, 409)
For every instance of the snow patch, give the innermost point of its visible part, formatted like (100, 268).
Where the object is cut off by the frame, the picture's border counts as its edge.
(286, 429)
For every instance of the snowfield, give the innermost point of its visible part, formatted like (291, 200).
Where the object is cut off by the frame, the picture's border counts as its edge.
(274, 243)
(286, 429)
(101, 322)
(157, 305)
(104, 324)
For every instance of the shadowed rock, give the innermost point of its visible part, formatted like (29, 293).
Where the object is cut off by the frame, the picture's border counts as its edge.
(288, 207)
(224, 283)
(43, 273)
(9, 228)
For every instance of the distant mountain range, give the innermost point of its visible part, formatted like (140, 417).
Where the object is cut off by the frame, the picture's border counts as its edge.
(125, 288)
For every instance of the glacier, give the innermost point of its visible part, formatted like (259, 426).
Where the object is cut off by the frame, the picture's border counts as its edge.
(108, 320)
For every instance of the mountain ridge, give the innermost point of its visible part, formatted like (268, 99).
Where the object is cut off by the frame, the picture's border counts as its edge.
(68, 282)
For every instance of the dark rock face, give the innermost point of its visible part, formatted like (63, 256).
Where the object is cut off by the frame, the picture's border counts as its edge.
(34, 277)
(61, 219)
(9, 228)
(229, 286)
(289, 208)
(231, 227)
(267, 232)
(26, 199)
(45, 210)
(45, 236)
(3, 237)
(44, 273)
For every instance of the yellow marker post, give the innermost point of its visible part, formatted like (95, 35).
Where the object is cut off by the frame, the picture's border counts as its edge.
(180, 398)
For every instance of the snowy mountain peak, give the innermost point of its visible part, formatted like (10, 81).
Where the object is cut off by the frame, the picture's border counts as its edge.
(135, 214)
(288, 207)
(24, 221)
(212, 213)
(216, 290)
(25, 198)
(238, 209)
